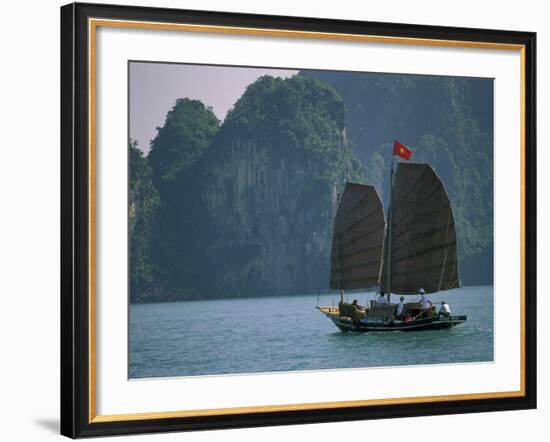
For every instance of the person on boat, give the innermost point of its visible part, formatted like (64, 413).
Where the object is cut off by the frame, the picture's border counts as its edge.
(445, 309)
(424, 301)
(399, 308)
(381, 298)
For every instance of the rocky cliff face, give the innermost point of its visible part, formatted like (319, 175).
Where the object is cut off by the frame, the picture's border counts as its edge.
(255, 211)
(271, 215)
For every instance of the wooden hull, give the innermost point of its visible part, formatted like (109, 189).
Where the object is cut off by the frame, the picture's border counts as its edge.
(369, 325)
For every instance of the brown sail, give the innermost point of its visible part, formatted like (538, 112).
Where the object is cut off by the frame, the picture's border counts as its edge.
(422, 234)
(357, 239)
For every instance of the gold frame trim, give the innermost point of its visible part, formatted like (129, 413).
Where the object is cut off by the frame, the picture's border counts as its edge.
(93, 24)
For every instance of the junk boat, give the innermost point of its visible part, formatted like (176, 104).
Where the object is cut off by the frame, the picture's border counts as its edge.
(416, 250)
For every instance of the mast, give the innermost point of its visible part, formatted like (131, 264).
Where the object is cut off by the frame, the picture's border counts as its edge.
(342, 290)
(390, 215)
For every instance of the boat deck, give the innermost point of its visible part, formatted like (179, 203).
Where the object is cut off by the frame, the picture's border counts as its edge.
(366, 324)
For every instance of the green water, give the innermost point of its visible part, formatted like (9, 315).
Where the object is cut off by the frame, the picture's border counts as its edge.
(287, 333)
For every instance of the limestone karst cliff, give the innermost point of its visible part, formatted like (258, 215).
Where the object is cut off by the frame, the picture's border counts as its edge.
(252, 214)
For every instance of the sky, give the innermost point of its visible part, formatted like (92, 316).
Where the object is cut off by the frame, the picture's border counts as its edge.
(155, 87)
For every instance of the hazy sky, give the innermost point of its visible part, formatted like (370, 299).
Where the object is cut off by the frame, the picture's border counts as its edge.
(154, 88)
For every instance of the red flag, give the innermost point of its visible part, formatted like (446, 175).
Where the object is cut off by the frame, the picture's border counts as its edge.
(402, 150)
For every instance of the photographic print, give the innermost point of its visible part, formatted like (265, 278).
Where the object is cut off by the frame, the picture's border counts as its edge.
(292, 219)
(272, 220)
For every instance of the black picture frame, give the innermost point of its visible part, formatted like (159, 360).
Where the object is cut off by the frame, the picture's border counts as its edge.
(75, 221)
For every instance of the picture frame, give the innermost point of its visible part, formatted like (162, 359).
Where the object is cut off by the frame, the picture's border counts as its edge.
(79, 201)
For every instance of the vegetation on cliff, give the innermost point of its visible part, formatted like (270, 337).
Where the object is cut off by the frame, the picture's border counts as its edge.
(187, 132)
(143, 201)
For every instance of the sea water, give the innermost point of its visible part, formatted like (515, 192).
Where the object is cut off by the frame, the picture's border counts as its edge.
(286, 333)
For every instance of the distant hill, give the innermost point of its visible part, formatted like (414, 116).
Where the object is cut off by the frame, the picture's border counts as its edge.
(448, 122)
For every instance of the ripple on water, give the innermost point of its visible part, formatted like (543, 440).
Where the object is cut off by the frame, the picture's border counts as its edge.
(287, 333)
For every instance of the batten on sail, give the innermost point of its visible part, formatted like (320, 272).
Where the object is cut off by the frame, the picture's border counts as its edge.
(357, 239)
(423, 243)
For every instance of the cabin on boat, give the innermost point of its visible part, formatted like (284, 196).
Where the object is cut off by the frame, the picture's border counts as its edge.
(375, 310)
